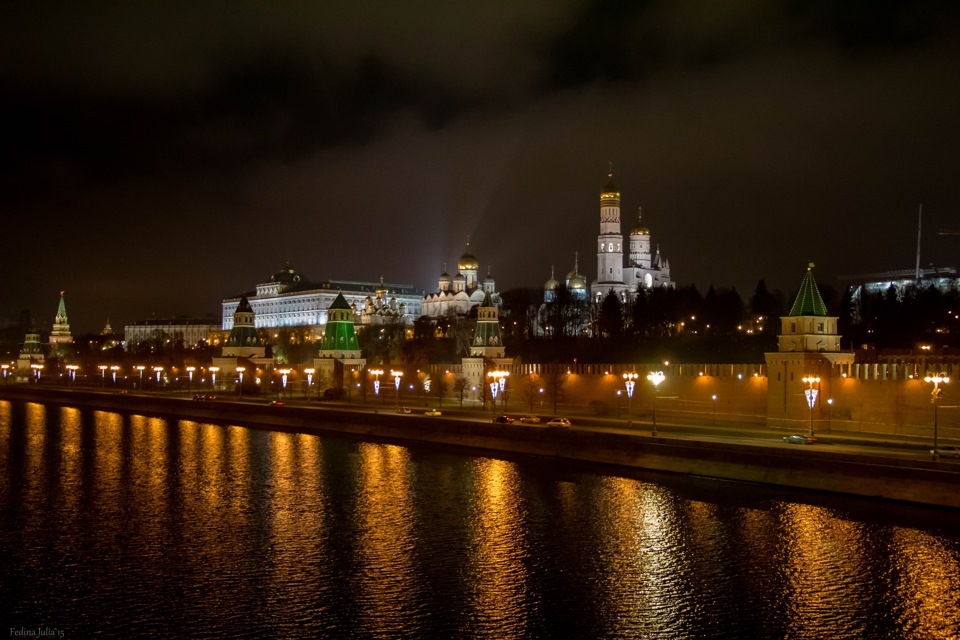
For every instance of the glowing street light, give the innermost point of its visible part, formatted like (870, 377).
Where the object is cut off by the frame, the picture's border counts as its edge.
(37, 368)
(103, 373)
(6, 371)
(140, 368)
(283, 378)
(396, 375)
(113, 374)
(655, 378)
(630, 380)
(937, 379)
(190, 371)
(811, 395)
(309, 373)
(158, 370)
(714, 409)
(499, 383)
(213, 377)
(376, 373)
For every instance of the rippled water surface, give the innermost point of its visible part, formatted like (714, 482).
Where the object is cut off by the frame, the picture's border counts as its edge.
(128, 526)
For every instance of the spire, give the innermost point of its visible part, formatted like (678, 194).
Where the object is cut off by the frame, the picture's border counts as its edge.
(62, 310)
(808, 301)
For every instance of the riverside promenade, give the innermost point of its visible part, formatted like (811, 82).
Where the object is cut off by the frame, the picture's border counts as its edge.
(882, 468)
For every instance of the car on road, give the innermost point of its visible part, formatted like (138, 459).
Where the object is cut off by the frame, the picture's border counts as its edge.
(503, 419)
(530, 419)
(276, 403)
(433, 412)
(559, 422)
(948, 451)
(404, 410)
(799, 439)
(204, 396)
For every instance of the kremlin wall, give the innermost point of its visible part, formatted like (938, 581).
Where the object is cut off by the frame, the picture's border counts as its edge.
(809, 383)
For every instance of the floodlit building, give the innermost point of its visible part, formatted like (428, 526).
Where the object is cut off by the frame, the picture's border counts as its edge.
(290, 300)
(644, 268)
(462, 292)
(169, 332)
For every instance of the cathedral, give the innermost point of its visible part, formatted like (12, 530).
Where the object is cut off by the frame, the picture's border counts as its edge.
(644, 268)
(462, 292)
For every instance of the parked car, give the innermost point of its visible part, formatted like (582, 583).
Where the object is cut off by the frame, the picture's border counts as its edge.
(503, 419)
(799, 439)
(948, 451)
(433, 412)
(204, 396)
(530, 419)
(404, 410)
(276, 403)
(559, 422)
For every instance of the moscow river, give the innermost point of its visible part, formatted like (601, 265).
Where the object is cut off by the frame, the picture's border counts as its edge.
(136, 527)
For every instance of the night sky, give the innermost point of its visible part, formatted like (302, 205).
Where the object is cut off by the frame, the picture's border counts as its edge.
(157, 157)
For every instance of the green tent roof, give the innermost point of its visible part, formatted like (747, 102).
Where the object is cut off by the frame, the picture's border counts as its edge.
(808, 301)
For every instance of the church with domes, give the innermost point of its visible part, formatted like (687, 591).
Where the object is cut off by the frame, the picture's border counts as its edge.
(643, 268)
(462, 292)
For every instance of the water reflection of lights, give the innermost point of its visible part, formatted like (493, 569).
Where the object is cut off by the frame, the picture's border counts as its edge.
(499, 555)
(927, 580)
(387, 579)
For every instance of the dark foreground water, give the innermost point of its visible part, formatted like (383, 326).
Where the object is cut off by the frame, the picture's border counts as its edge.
(135, 527)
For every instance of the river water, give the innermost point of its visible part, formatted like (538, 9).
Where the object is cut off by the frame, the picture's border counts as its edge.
(131, 526)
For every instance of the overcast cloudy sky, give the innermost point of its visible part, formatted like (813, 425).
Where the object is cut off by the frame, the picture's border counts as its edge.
(159, 156)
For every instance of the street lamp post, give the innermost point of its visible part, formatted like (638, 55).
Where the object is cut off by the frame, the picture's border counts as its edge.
(499, 384)
(113, 373)
(37, 368)
(240, 371)
(397, 374)
(283, 380)
(376, 373)
(714, 409)
(309, 372)
(811, 395)
(103, 374)
(158, 370)
(213, 377)
(630, 381)
(656, 378)
(190, 371)
(72, 373)
(937, 379)
(140, 368)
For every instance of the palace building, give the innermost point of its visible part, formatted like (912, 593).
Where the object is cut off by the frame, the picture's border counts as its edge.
(291, 300)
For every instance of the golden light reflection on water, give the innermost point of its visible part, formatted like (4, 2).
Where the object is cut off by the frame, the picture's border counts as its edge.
(387, 578)
(926, 582)
(498, 549)
(70, 463)
(34, 456)
(296, 515)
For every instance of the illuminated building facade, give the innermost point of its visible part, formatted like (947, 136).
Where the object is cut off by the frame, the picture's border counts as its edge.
(290, 300)
(462, 292)
(189, 332)
(644, 269)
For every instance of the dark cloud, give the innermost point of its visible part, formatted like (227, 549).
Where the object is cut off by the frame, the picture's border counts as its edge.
(199, 145)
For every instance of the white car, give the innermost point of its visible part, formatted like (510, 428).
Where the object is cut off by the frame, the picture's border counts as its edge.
(559, 422)
(948, 451)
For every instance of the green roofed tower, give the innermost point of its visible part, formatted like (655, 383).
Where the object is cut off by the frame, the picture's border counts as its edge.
(809, 327)
(808, 302)
(340, 336)
(487, 340)
(244, 340)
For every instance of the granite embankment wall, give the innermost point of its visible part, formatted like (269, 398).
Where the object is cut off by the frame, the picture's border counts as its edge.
(801, 467)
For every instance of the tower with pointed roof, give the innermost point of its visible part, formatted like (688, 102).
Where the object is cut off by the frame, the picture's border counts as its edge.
(61, 340)
(244, 340)
(487, 340)
(809, 347)
(340, 337)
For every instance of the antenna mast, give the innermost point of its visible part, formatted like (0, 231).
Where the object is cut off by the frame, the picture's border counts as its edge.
(919, 221)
